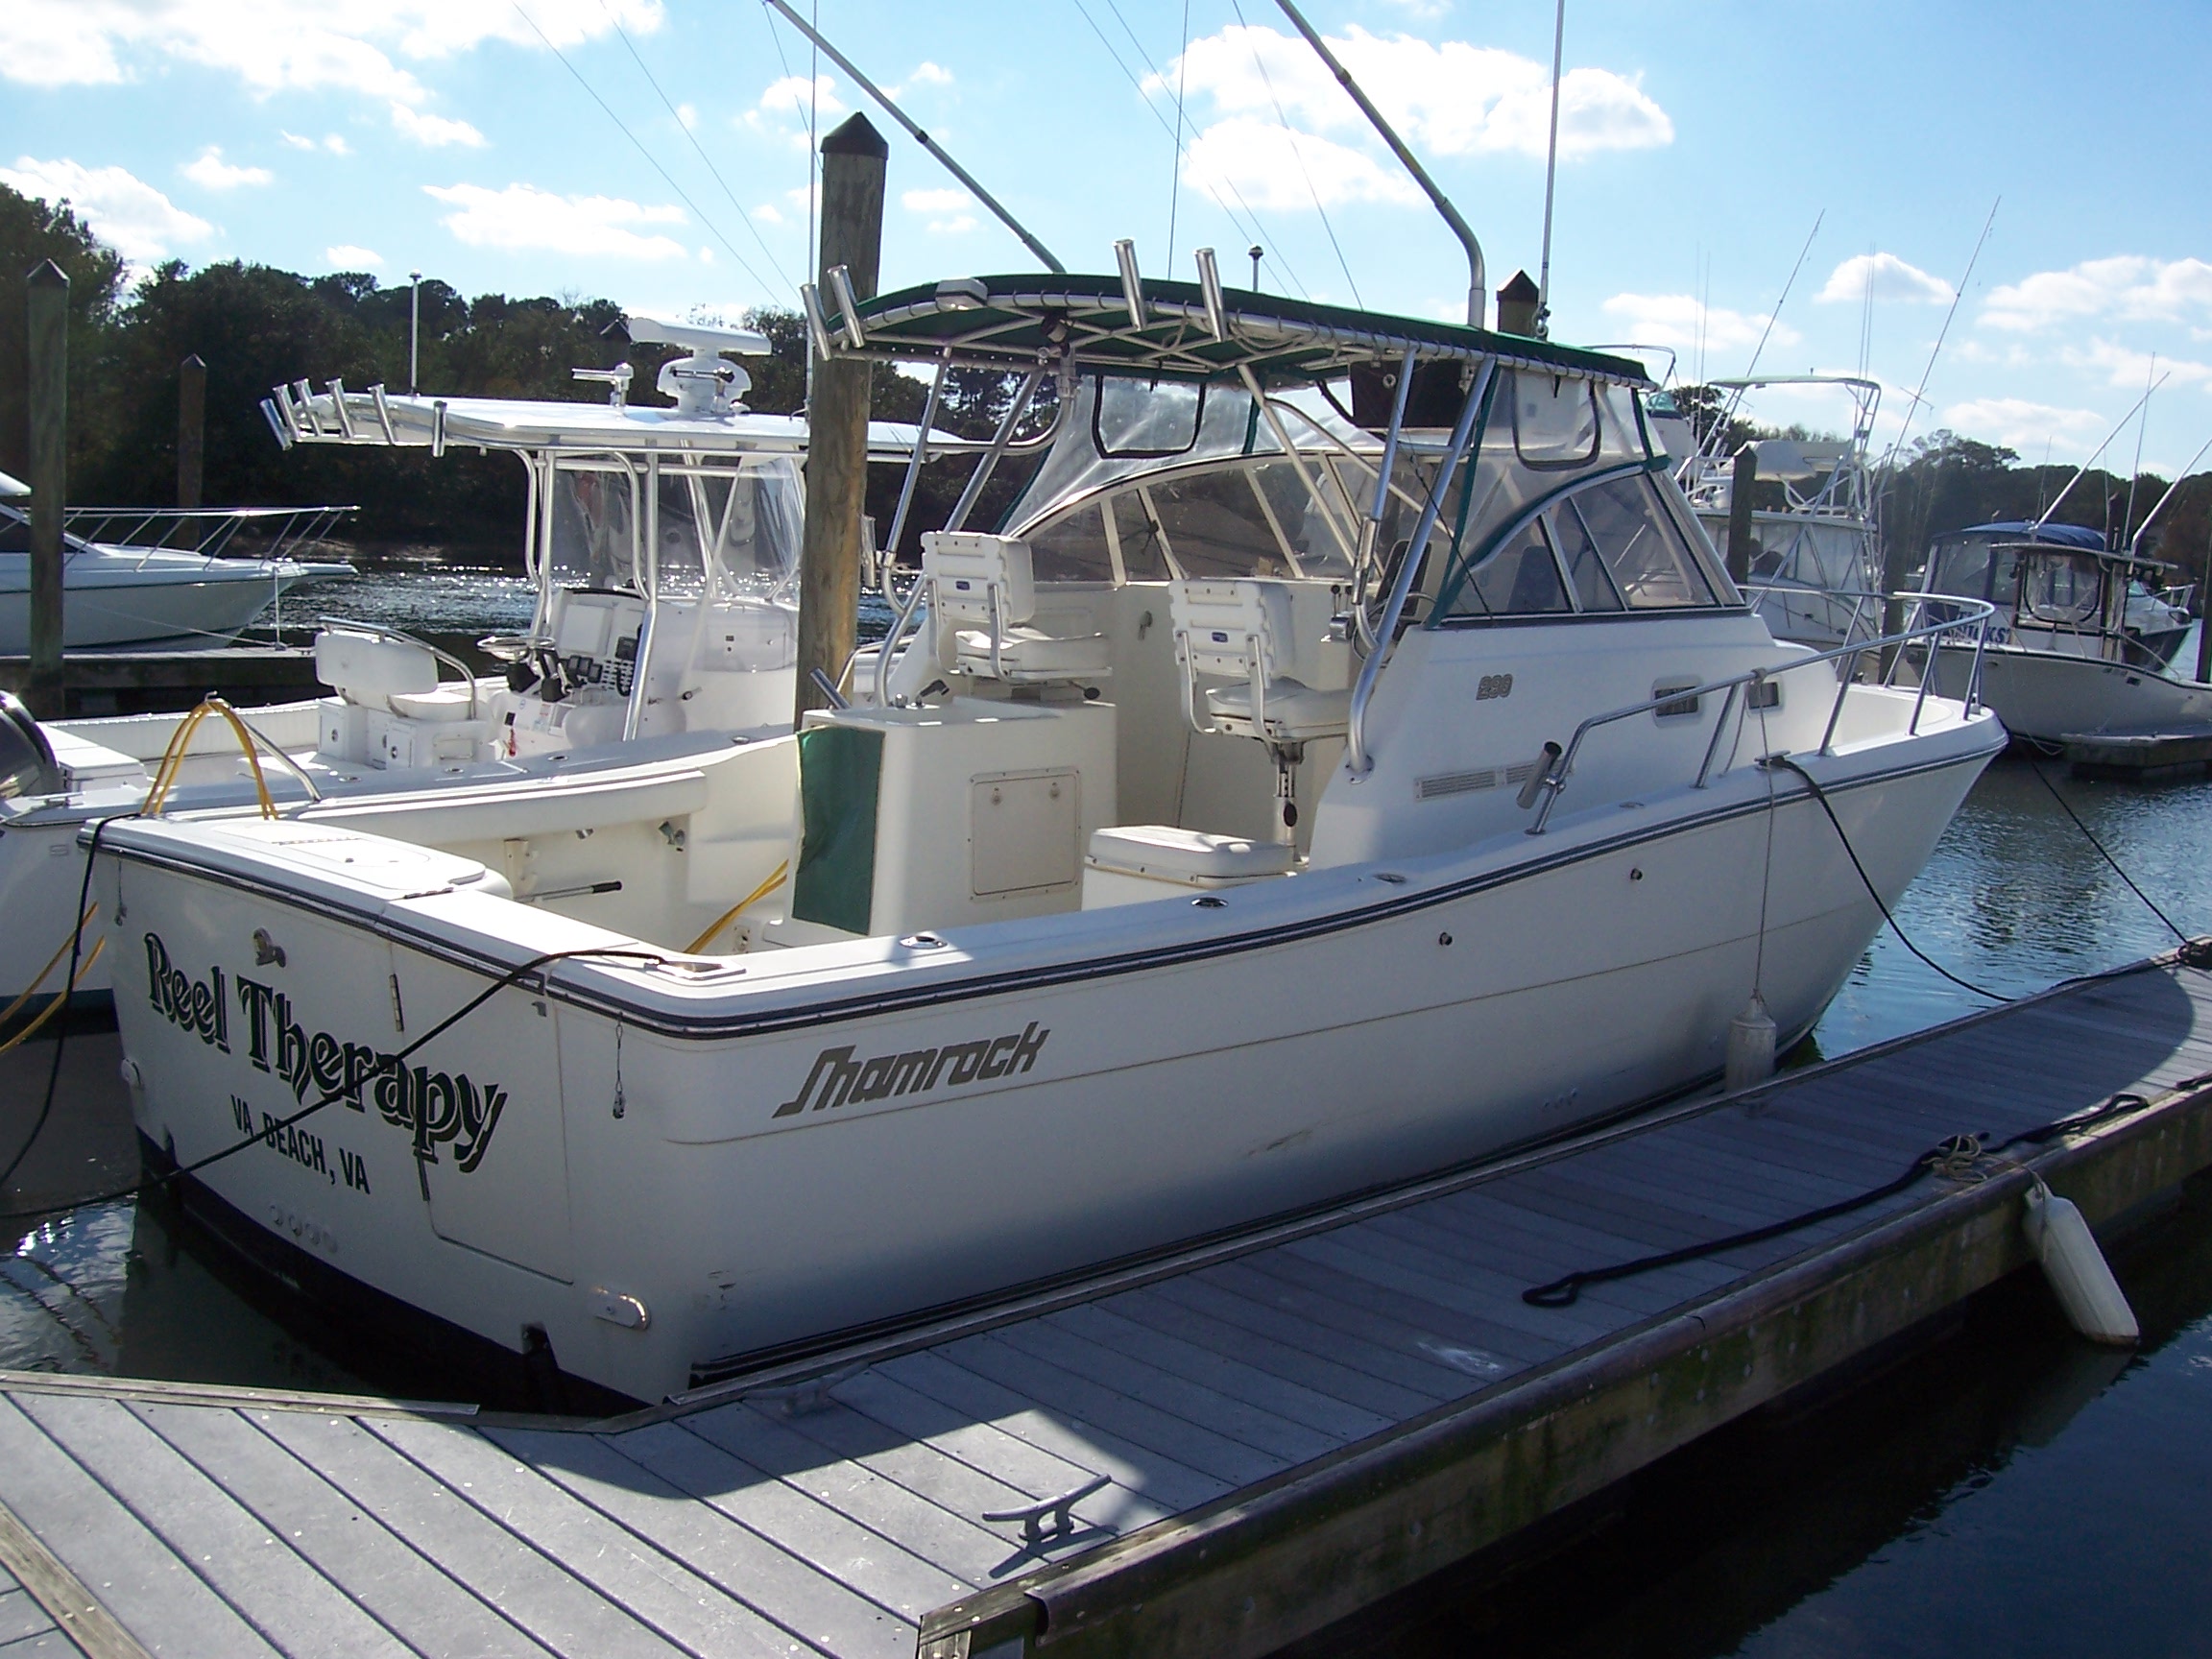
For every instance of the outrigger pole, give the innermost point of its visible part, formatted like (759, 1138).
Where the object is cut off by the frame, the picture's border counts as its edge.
(2082, 472)
(1477, 291)
(921, 137)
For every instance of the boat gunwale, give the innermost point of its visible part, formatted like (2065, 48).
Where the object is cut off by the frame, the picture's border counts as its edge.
(944, 989)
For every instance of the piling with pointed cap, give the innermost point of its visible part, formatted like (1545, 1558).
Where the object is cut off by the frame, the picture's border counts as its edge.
(192, 429)
(853, 162)
(47, 393)
(1519, 304)
(1740, 484)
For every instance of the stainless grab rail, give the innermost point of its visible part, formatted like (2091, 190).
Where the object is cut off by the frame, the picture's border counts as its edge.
(1554, 780)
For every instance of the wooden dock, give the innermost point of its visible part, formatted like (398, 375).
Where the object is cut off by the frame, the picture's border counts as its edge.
(2145, 755)
(135, 682)
(1209, 1455)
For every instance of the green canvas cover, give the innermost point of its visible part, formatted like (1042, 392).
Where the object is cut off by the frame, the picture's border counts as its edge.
(838, 771)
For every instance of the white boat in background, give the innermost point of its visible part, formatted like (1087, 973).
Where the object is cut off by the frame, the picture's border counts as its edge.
(1263, 816)
(1815, 563)
(136, 578)
(2083, 644)
(664, 545)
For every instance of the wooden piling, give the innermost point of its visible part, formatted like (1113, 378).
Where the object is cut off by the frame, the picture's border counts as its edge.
(192, 429)
(47, 392)
(854, 164)
(2204, 619)
(1739, 490)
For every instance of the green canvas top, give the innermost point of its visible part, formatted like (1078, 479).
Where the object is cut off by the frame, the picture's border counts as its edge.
(1018, 322)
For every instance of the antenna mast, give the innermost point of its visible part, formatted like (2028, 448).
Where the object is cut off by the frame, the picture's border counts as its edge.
(921, 137)
(1478, 291)
(1551, 174)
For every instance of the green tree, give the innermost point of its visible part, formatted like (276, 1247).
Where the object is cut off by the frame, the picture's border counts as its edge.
(32, 230)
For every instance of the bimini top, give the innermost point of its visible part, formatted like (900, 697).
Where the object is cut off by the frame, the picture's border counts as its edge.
(2020, 530)
(1019, 323)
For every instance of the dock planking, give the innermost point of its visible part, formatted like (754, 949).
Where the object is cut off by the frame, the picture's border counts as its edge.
(1290, 1424)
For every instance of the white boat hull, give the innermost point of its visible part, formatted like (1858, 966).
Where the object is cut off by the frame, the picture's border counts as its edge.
(120, 598)
(695, 1176)
(2047, 696)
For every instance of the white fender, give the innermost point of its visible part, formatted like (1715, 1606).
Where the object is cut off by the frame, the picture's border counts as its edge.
(2094, 1303)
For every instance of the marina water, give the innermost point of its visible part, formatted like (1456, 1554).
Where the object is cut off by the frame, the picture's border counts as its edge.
(2010, 1489)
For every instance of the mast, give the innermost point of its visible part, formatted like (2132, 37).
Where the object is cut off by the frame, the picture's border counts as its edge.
(1550, 176)
(1478, 291)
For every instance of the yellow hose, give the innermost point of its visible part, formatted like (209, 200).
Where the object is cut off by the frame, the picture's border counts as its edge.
(774, 881)
(59, 999)
(180, 741)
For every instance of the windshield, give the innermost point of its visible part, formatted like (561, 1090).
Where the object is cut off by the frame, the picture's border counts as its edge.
(1563, 513)
(732, 522)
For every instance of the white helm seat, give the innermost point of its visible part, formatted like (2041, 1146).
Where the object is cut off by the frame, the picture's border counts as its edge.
(982, 588)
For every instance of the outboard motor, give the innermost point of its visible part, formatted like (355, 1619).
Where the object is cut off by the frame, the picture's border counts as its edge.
(27, 764)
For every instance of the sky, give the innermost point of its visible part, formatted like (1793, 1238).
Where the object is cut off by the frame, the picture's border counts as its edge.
(1751, 184)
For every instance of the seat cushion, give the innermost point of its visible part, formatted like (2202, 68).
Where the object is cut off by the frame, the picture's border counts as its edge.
(449, 702)
(1295, 712)
(1025, 654)
(1169, 853)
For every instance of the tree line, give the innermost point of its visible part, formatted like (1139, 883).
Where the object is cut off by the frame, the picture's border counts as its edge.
(255, 326)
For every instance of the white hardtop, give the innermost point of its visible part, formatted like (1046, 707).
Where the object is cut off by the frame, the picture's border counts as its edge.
(423, 422)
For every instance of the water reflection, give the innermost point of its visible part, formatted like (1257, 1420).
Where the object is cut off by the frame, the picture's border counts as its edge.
(124, 1289)
(2015, 899)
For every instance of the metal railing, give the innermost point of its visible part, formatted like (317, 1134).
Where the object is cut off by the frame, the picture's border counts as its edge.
(1548, 783)
(206, 531)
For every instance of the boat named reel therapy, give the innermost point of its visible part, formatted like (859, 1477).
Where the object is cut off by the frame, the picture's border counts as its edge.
(1349, 758)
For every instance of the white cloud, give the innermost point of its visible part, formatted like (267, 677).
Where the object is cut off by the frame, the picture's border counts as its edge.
(293, 140)
(276, 45)
(959, 224)
(784, 106)
(1888, 277)
(135, 219)
(1674, 319)
(2125, 287)
(336, 145)
(948, 200)
(688, 115)
(1269, 165)
(332, 142)
(769, 213)
(2130, 371)
(1449, 99)
(523, 216)
(705, 255)
(210, 172)
(348, 257)
(2022, 425)
(433, 131)
(928, 74)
